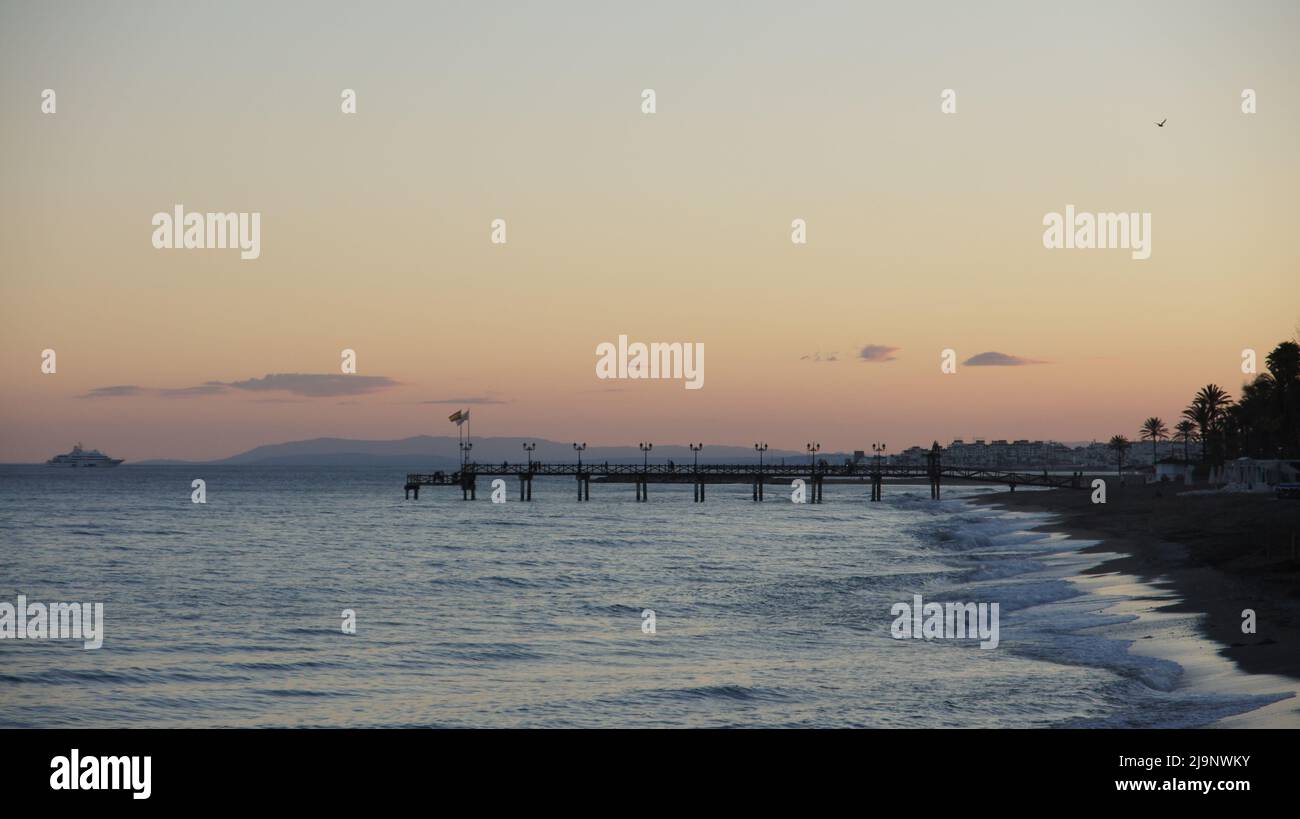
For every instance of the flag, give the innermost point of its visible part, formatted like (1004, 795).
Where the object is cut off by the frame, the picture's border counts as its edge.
(459, 417)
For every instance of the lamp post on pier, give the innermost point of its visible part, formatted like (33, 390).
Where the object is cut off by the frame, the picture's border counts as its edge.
(578, 448)
(816, 489)
(529, 449)
(699, 482)
(645, 455)
(877, 481)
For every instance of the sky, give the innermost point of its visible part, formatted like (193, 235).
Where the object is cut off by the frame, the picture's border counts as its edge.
(924, 229)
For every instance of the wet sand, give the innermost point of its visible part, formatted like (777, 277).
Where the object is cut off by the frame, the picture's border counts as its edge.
(1216, 554)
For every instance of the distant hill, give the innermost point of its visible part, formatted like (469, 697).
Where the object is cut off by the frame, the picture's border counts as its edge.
(437, 452)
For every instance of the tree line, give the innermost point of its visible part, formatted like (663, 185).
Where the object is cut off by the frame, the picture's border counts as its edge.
(1264, 423)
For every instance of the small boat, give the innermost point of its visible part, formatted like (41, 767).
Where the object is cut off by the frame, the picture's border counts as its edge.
(79, 457)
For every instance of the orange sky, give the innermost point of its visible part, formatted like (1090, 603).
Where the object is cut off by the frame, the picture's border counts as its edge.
(924, 229)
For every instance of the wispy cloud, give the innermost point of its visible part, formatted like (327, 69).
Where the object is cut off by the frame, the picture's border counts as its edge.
(996, 359)
(309, 385)
(210, 388)
(466, 401)
(314, 385)
(818, 357)
(877, 352)
(122, 391)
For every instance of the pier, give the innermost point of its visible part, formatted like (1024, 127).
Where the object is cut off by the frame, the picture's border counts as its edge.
(815, 476)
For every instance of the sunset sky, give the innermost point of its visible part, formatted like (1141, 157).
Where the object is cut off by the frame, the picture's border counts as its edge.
(924, 229)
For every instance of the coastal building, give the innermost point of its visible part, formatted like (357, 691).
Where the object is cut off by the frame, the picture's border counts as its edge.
(1035, 455)
(1258, 475)
(1172, 470)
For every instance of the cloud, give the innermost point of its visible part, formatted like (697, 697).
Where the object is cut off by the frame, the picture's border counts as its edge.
(303, 384)
(210, 388)
(816, 357)
(467, 401)
(877, 352)
(315, 385)
(996, 359)
(122, 391)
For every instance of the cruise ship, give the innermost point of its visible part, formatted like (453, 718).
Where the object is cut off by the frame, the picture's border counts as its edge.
(80, 457)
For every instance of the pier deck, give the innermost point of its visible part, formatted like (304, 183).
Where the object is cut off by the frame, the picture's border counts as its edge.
(711, 474)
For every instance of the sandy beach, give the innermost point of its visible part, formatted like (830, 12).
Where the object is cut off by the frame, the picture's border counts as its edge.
(1215, 554)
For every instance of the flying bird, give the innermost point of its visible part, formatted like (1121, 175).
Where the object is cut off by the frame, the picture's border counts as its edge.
(1162, 122)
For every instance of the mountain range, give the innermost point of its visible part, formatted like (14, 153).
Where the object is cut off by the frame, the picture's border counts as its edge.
(429, 451)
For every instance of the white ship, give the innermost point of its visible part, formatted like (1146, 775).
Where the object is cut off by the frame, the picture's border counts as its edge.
(82, 458)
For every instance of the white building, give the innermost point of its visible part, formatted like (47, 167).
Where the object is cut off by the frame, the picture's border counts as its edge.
(1253, 475)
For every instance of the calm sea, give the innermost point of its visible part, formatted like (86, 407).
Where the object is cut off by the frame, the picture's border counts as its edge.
(530, 614)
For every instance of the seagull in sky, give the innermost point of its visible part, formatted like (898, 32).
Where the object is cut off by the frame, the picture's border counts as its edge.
(1162, 122)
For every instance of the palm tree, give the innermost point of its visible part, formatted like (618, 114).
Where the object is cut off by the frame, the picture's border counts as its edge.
(1284, 362)
(1184, 432)
(1213, 396)
(1198, 415)
(1284, 367)
(1153, 430)
(1120, 444)
(1207, 411)
(1252, 420)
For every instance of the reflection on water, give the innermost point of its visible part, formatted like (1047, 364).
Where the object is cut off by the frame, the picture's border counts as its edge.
(477, 614)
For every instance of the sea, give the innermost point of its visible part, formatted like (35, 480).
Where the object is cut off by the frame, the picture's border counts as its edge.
(319, 596)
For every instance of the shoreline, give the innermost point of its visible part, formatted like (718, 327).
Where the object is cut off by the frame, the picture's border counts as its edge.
(1205, 558)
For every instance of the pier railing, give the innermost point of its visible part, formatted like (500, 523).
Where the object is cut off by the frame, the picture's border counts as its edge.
(662, 473)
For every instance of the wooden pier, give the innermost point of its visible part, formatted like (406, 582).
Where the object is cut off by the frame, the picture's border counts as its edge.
(756, 475)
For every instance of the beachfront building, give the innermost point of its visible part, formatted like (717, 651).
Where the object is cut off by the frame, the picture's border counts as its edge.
(1258, 475)
(1173, 470)
(1026, 455)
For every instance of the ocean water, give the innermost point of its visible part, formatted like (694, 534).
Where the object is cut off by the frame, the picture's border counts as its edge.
(530, 614)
